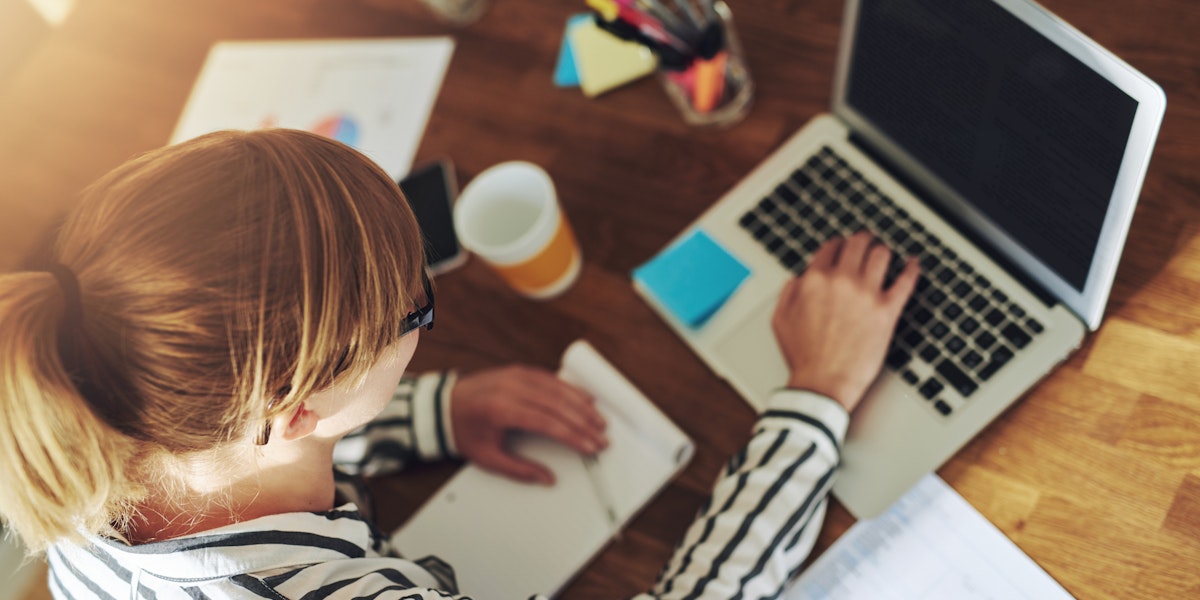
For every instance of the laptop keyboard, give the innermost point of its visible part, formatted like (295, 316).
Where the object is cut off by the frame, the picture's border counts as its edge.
(956, 332)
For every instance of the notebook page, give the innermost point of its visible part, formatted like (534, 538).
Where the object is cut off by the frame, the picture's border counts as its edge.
(930, 544)
(508, 540)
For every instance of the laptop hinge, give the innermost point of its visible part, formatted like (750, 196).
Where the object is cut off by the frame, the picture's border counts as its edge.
(1037, 289)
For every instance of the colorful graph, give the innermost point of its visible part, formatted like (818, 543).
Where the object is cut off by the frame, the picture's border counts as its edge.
(339, 127)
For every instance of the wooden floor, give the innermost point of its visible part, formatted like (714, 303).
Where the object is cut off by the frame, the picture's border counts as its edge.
(1095, 474)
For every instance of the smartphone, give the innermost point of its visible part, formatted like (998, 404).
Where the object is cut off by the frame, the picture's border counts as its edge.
(431, 191)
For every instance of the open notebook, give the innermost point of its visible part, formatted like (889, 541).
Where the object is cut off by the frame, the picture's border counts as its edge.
(507, 540)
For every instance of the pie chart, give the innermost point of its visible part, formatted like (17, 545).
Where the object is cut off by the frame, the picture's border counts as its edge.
(339, 127)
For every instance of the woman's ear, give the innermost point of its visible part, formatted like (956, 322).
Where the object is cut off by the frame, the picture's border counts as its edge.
(300, 423)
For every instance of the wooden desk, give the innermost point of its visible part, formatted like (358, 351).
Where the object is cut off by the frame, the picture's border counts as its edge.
(1095, 474)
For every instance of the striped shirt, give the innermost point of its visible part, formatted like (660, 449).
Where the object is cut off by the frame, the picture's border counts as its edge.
(747, 541)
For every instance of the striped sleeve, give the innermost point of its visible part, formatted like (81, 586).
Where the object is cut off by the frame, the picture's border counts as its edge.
(414, 426)
(766, 508)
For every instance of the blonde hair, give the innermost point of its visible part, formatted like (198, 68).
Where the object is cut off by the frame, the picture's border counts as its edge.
(222, 281)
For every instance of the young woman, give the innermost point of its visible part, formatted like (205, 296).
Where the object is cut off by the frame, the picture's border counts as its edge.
(190, 392)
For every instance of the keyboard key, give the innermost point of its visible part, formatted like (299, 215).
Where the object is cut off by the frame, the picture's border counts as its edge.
(909, 377)
(749, 220)
(994, 317)
(922, 316)
(913, 338)
(897, 358)
(982, 282)
(922, 284)
(968, 325)
(999, 358)
(928, 263)
(950, 255)
(984, 340)
(811, 245)
(945, 275)
(1016, 311)
(774, 244)
(961, 382)
(955, 344)
(787, 195)
(977, 302)
(931, 388)
(972, 359)
(939, 330)
(801, 179)
(857, 199)
(762, 232)
(943, 408)
(952, 311)
(935, 298)
(930, 354)
(886, 223)
(1034, 326)
(999, 296)
(1016, 335)
(961, 289)
(790, 259)
(899, 237)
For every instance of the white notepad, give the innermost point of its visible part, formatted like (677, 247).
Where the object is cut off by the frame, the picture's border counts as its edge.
(507, 540)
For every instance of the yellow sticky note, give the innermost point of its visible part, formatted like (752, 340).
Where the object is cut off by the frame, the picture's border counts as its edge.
(605, 62)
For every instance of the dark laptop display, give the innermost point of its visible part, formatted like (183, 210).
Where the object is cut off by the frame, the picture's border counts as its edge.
(1025, 132)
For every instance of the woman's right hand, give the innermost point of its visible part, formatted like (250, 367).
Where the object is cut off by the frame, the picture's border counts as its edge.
(833, 323)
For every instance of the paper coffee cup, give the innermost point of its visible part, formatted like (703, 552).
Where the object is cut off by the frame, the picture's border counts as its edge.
(510, 217)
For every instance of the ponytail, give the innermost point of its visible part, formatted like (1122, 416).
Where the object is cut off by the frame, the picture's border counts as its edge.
(65, 471)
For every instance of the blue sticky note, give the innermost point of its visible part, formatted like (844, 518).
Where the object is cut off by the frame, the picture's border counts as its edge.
(565, 74)
(692, 278)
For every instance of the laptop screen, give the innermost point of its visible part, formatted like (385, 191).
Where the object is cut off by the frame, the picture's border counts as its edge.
(1013, 124)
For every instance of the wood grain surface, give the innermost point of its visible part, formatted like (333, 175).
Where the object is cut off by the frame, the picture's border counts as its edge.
(1095, 474)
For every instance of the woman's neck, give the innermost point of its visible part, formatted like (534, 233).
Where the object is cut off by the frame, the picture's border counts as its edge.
(265, 484)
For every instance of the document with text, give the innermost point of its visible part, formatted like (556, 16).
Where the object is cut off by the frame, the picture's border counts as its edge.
(931, 544)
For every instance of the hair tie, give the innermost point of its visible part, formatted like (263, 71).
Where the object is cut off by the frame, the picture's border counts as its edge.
(69, 283)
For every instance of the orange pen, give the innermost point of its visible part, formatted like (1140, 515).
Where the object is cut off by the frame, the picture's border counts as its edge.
(710, 82)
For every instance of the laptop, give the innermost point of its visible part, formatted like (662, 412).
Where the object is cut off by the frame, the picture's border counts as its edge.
(992, 141)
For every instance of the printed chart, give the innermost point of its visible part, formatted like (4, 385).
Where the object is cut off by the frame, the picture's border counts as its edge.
(374, 95)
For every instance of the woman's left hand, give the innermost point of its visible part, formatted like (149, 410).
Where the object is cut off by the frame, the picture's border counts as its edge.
(486, 406)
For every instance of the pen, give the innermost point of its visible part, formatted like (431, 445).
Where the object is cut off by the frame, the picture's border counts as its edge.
(669, 57)
(592, 466)
(710, 82)
(690, 11)
(669, 19)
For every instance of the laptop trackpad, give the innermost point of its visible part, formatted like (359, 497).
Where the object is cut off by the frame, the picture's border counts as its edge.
(749, 357)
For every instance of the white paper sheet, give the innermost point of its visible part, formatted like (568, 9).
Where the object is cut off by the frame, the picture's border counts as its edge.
(375, 95)
(930, 545)
(507, 540)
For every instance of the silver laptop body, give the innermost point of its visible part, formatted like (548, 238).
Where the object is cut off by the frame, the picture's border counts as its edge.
(1046, 281)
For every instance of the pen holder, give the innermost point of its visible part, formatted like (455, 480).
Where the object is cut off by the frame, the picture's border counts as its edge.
(716, 91)
(458, 12)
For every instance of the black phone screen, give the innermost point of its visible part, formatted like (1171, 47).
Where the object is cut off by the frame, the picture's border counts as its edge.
(429, 193)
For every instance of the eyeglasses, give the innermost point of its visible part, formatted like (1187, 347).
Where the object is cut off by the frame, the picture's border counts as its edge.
(422, 317)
